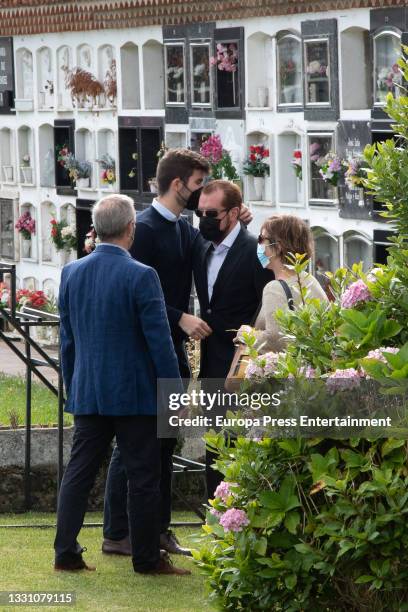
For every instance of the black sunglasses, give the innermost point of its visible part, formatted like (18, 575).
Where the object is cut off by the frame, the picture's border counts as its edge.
(212, 214)
(263, 239)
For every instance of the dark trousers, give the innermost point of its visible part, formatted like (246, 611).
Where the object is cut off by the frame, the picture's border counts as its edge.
(115, 519)
(136, 438)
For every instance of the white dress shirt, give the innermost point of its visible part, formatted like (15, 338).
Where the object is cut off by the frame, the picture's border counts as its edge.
(163, 211)
(217, 256)
(111, 244)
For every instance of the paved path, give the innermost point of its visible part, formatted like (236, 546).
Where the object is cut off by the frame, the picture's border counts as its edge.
(10, 364)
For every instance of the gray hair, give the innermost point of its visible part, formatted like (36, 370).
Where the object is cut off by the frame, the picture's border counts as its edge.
(111, 215)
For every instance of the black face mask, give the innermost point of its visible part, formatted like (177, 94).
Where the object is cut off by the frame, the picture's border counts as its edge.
(210, 229)
(192, 202)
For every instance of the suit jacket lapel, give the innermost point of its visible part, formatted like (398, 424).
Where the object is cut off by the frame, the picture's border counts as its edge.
(201, 276)
(229, 264)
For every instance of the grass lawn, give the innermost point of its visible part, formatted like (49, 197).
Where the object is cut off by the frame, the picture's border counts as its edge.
(26, 564)
(44, 409)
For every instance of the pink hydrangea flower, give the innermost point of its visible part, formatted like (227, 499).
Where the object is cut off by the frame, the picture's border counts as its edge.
(355, 294)
(269, 361)
(343, 380)
(253, 370)
(223, 491)
(378, 353)
(308, 372)
(234, 520)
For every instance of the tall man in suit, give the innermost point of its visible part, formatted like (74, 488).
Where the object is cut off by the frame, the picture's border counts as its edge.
(115, 343)
(165, 240)
(229, 280)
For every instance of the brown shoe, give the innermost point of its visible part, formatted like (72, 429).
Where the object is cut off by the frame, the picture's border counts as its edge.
(169, 542)
(117, 547)
(166, 567)
(73, 566)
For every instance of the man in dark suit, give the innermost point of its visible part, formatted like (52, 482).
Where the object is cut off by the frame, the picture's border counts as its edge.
(229, 280)
(115, 343)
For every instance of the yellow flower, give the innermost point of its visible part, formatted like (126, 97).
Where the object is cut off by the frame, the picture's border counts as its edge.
(110, 176)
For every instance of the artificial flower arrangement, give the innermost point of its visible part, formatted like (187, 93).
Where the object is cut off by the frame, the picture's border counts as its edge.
(287, 72)
(297, 163)
(316, 69)
(28, 297)
(62, 154)
(331, 168)
(25, 225)
(256, 165)
(226, 57)
(108, 175)
(356, 171)
(388, 78)
(4, 295)
(63, 235)
(219, 159)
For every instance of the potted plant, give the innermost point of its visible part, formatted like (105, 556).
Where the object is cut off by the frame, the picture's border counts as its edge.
(108, 174)
(256, 167)
(83, 174)
(26, 169)
(26, 227)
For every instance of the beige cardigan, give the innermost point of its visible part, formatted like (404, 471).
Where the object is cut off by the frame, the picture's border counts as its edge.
(269, 335)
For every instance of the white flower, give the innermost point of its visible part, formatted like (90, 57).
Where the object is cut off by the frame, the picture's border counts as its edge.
(68, 231)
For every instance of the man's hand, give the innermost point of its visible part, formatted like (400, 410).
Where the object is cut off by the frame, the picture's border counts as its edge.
(246, 215)
(194, 327)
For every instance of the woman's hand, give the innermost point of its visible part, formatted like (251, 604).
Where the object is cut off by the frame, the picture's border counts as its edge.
(244, 329)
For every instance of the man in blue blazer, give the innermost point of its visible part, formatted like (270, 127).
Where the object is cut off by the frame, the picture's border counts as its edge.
(115, 344)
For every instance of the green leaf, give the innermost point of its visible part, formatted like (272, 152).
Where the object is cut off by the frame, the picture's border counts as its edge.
(364, 579)
(290, 581)
(390, 445)
(260, 546)
(291, 522)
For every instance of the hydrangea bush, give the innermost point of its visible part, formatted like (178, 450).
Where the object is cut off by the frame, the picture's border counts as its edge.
(321, 525)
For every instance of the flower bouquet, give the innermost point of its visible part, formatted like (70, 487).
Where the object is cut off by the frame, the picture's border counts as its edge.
(297, 163)
(108, 175)
(63, 235)
(256, 165)
(4, 295)
(226, 57)
(25, 225)
(28, 297)
(219, 159)
(331, 168)
(356, 171)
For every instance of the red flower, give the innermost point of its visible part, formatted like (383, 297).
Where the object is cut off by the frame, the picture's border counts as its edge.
(252, 157)
(253, 148)
(265, 153)
(54, 232)
(297, 154)
(53, 222)
(258, 150)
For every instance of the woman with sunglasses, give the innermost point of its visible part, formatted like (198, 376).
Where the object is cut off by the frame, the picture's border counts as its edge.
(281, 235)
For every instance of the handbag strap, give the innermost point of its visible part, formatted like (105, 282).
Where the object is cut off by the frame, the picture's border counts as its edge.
(257, 311)
(288, 294)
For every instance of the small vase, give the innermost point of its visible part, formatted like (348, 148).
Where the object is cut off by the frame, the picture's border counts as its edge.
(82, 183)
(259, 183)
(361, 201)
(335, 195)
(65, 257)
(26, 248)
(262, 96)
(203, 91)
(27, 173)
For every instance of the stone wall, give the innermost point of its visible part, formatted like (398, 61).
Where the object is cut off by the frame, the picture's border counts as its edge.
(44, 457)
